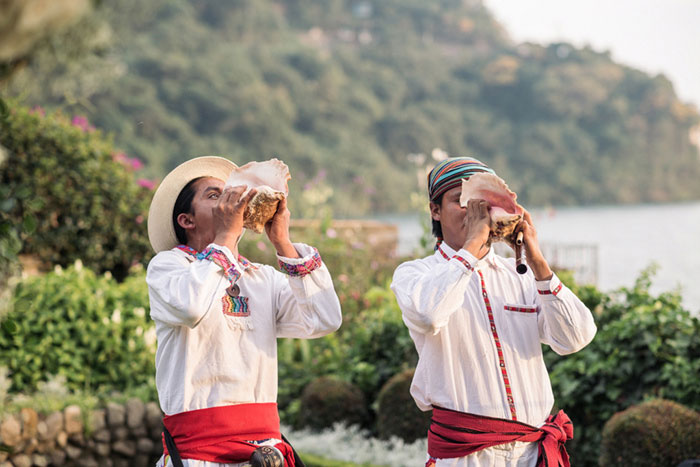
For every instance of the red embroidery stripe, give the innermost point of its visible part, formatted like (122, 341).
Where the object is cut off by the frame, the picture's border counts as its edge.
(552, 292)
(463, 261)
(466, 263)
(502, 362)
(520, 309)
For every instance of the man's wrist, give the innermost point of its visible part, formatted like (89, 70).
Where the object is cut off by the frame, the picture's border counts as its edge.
(285, 249)
(227, 239)
(474, 246)
(541, 269)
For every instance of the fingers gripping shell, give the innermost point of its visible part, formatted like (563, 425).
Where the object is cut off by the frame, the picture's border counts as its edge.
(269, 178)
(505, 212)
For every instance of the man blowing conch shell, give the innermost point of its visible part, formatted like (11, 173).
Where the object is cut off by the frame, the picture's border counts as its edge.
(478, 327)
(218, 317)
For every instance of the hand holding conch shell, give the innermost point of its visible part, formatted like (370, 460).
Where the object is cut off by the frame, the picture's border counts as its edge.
(477, 224)
(508, 219)
(505, 212)
(277, 230)
(228, 212)
(269, 178)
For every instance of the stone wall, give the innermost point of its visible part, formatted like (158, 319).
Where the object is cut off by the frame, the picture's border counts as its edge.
(118, 435)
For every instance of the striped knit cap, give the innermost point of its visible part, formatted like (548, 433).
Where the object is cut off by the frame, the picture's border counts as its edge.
(450, 172)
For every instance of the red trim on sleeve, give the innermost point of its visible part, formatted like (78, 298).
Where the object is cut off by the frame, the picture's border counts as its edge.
(550, 292)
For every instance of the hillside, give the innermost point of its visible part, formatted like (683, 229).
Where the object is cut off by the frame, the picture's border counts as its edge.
(347, 92)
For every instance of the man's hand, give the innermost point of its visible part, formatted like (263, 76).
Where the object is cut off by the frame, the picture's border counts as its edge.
(228, 215)
(533, 254)
(277, 230)
(477, 223)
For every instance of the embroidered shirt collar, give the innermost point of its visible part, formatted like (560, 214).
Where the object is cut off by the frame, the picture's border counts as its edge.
(242, 262)
(445, 251)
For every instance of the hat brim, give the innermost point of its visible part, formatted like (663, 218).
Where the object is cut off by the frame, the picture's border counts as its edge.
(161, 231)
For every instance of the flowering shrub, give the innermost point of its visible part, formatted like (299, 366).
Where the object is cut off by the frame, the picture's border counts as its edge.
(89, 329)
(67, 195)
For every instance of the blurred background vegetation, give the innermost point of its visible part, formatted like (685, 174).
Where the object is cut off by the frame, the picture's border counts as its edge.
(345, 91)
(100, 101)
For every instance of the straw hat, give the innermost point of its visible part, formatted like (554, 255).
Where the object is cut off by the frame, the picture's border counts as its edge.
(161, 231)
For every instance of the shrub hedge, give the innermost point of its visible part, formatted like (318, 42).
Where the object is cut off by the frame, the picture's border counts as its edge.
(397, 413)
(652, 434)
(646, 346)
(89, 329)
(328, 400)
(67, 194)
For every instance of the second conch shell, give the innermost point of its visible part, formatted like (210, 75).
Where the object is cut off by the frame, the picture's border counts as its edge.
(269, 178)
(505, 212)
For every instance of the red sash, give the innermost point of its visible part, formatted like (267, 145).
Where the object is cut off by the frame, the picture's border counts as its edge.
(458, 434)
(221, 434)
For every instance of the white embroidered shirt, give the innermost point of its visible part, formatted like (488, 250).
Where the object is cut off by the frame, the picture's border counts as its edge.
(487, 360)
(211, 355)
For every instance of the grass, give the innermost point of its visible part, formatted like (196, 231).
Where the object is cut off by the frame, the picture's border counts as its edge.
(312, 460)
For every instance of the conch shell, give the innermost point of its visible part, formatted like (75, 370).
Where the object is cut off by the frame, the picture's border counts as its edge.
(505, 212)
(269, 178)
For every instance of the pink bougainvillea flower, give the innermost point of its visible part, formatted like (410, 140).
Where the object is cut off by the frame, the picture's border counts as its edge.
(38, 110)
(136, 163)
(82, 123)
(146, 183)
(139, 219)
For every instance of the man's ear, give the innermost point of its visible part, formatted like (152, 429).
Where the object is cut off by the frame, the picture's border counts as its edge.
(435, 211)
(186, 221)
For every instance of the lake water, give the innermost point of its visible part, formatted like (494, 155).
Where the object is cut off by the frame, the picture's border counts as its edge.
(628, 239)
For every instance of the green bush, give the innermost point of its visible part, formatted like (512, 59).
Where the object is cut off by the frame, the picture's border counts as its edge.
(89, 329)
(646, 346)
(378, 342)
(397, 413)
(652, 434)
(372, 346)
(328, 400)
(67, 194)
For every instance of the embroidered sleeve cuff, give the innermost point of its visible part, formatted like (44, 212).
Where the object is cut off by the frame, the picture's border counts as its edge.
(310, 261)
(221, 256)
(465, 258)
(549, 288)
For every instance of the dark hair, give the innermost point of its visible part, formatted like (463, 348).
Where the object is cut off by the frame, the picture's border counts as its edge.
(437, 227)
(183, 204)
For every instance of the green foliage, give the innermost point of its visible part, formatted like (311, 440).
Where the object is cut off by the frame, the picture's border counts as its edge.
(379, 343)
(328, 400)
(312, 460)
(343, 86)
(652, 434)
(354, 263)
(646, 346)
(371, 346)
(67, 195)
(88, 329)
(397, 413)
